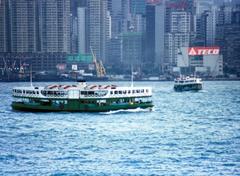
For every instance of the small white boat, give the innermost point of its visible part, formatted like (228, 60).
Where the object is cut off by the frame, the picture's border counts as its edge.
(188, 83)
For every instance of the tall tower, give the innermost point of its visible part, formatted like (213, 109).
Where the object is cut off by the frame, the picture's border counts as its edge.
(138, 6)
(81, 11)
(4, 31)
(55, 25)
(178, 36)
(98, 27)
(23, 16)
(206, 25)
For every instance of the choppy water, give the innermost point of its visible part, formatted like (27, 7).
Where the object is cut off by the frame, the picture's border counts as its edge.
(188, 133)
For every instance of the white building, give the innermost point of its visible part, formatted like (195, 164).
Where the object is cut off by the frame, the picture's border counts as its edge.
(179, 35)
(81, 30)
(214, 64)
(209, 64)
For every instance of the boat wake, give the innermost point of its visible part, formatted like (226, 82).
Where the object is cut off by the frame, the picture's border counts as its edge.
(127, 111)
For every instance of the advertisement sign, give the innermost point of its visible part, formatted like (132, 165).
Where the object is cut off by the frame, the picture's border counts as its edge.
(74, 67)
(61, 66)
(200, 51)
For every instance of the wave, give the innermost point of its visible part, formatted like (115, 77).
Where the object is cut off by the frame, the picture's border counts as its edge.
(127, 111)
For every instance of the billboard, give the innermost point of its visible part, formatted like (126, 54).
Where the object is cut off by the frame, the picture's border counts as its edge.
(201, 51)
(80, 58)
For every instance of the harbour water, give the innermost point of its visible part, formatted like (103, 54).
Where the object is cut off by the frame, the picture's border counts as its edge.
(187, 133)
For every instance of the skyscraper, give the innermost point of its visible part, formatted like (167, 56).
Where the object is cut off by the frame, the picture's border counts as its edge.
(206, 27)
(228, 39)
(120, 16)
(98, 25)
(155, 34)
(35, 26)
(23, 16)
(81, 29)
(55, 26)
(4, 26)
(35, 30)
(178, 36)
(132, 50)
(160, 29)
(138, 7)
(149, 58)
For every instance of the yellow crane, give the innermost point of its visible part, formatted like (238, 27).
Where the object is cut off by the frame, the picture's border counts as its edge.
(101, 72)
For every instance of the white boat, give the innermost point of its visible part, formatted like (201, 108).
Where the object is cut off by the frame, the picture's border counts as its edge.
(188, 83)
(81, 98)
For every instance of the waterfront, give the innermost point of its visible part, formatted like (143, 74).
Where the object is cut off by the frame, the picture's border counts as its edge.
(188, 133)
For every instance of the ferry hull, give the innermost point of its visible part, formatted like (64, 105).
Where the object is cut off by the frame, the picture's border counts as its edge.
(76, 107)
(191, 87)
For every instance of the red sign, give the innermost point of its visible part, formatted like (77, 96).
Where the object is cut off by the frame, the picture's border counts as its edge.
(200, 51)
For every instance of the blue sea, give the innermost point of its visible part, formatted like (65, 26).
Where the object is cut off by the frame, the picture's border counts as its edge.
(187, 133)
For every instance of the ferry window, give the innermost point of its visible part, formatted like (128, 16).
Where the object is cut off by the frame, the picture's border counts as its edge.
(129, 91)
(111, 92)
(90, 93)
(142, 91)
(124, 92)
(115, 92)
(133, 91)
(120, 92)
(138, 91)
(147, 90)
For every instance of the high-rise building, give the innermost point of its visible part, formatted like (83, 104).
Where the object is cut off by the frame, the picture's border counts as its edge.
(98, 27)
(55, 26)
(73, 34)
(121, 17)
(138, 7)
(160, 29)
(203, 5)
(149, 58)
(35, 26)
(115, 53)
(178, 36)
(206, 20)
(155, 35)
(228, 39)
(23, 16)
(132, 50)
(35, 30)
(206, 28)
(4, 26)
(211, 19)
(82, 30)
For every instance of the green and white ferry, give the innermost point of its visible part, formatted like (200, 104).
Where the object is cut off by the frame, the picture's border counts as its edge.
(188, 84)
(81, 97)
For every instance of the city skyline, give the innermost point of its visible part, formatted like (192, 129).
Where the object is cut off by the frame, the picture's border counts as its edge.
(58, 29)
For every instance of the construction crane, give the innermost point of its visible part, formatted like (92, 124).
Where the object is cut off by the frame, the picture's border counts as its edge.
(101, 72)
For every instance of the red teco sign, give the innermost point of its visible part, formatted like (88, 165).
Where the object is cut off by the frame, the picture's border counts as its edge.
(199, 51)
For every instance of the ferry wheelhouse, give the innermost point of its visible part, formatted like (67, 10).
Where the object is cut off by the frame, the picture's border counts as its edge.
(81, 97)
(187, 84)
